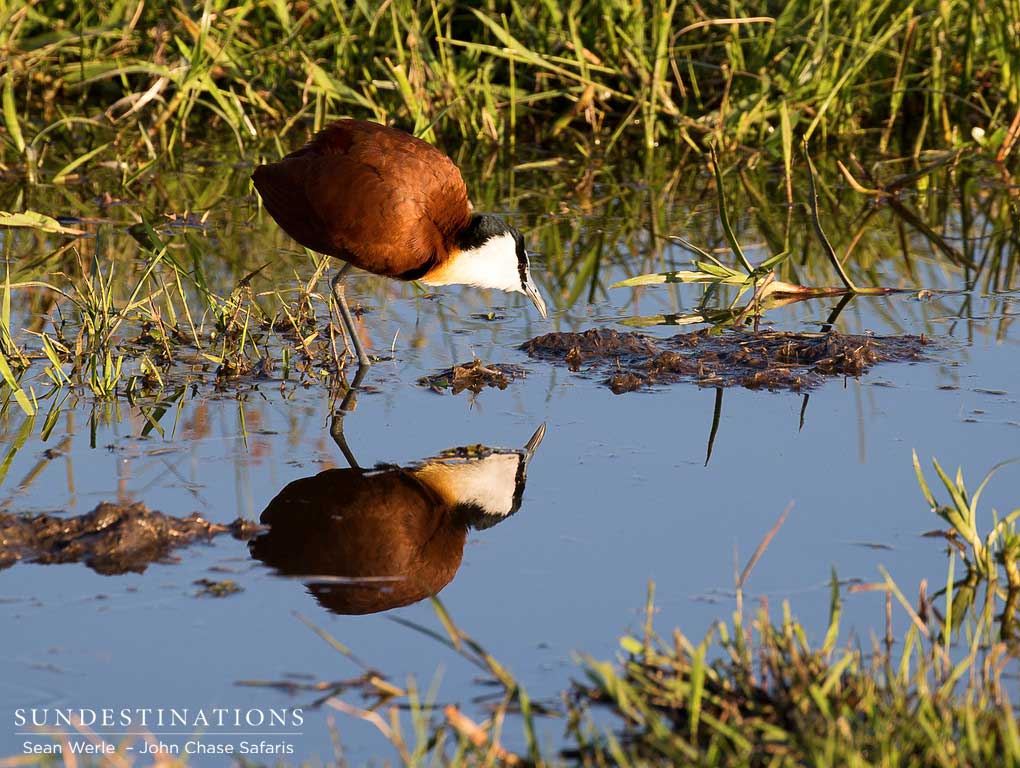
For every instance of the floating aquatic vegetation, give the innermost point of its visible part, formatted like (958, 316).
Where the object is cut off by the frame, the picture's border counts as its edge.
(775, 360)
(473, 376)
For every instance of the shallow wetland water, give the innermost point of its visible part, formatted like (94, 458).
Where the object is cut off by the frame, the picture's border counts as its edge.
(670, 483)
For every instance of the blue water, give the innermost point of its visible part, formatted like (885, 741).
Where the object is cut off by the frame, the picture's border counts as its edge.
(617, 495)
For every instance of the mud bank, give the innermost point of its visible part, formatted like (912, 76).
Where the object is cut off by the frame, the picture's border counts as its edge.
(111, 539)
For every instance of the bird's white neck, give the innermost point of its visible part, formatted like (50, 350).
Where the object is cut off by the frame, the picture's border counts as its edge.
(493, 264)
(488, 484)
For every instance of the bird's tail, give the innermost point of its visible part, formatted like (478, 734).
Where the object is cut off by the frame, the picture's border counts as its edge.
(283, 195)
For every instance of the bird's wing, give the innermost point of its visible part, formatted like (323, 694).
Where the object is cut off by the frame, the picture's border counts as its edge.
(438, 188)
(372, 195)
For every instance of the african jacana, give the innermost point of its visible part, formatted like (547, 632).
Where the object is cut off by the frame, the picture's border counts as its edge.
(391, 204)
(367, 541)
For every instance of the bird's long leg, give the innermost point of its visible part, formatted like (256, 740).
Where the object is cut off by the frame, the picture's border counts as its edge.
(336, 426)
(346, 317)
(336, 431)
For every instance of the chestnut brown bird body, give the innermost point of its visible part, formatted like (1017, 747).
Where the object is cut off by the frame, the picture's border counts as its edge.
(368, 541)
(374, 196)
(394, 205)
(363, 541)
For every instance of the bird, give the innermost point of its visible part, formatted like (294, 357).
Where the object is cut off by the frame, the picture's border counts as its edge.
(366, 541)
(389, 203)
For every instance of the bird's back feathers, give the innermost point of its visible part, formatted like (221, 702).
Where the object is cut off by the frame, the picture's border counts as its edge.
(374, 196)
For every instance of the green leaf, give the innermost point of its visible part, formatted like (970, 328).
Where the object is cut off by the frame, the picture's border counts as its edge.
(17, 445)
(724, 217)
(11, 114)
(64, 172)
(697, 687)
(632, 645)
(835, 610)
(772, 261)
(683, 276)
(923, 483)
(19, 393)
(36, 220)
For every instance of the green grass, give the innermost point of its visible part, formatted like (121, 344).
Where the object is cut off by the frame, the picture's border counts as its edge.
(124, 82)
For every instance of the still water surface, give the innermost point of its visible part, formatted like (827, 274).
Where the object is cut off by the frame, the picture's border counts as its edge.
(617, 494)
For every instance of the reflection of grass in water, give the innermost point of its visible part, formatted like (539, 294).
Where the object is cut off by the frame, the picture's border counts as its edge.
(766, 289)
(160, 282)
(888, 242)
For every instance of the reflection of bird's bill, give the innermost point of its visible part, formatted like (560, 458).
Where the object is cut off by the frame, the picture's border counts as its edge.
(531, 291)
(532, 445)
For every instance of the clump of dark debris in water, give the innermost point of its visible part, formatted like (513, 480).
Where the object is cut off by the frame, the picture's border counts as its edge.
(111, 539)
(474, 377)
(775, 360)
(596, 344)
(212, 588)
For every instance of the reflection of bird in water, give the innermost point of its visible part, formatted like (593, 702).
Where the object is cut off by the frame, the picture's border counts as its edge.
(370, 540)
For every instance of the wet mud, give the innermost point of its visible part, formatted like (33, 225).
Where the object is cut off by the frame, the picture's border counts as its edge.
(473, 376)
(773, 360)
(111, 539)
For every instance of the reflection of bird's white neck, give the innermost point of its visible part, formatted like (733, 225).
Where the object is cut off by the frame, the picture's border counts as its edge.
(493, 264)
(488, 484)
